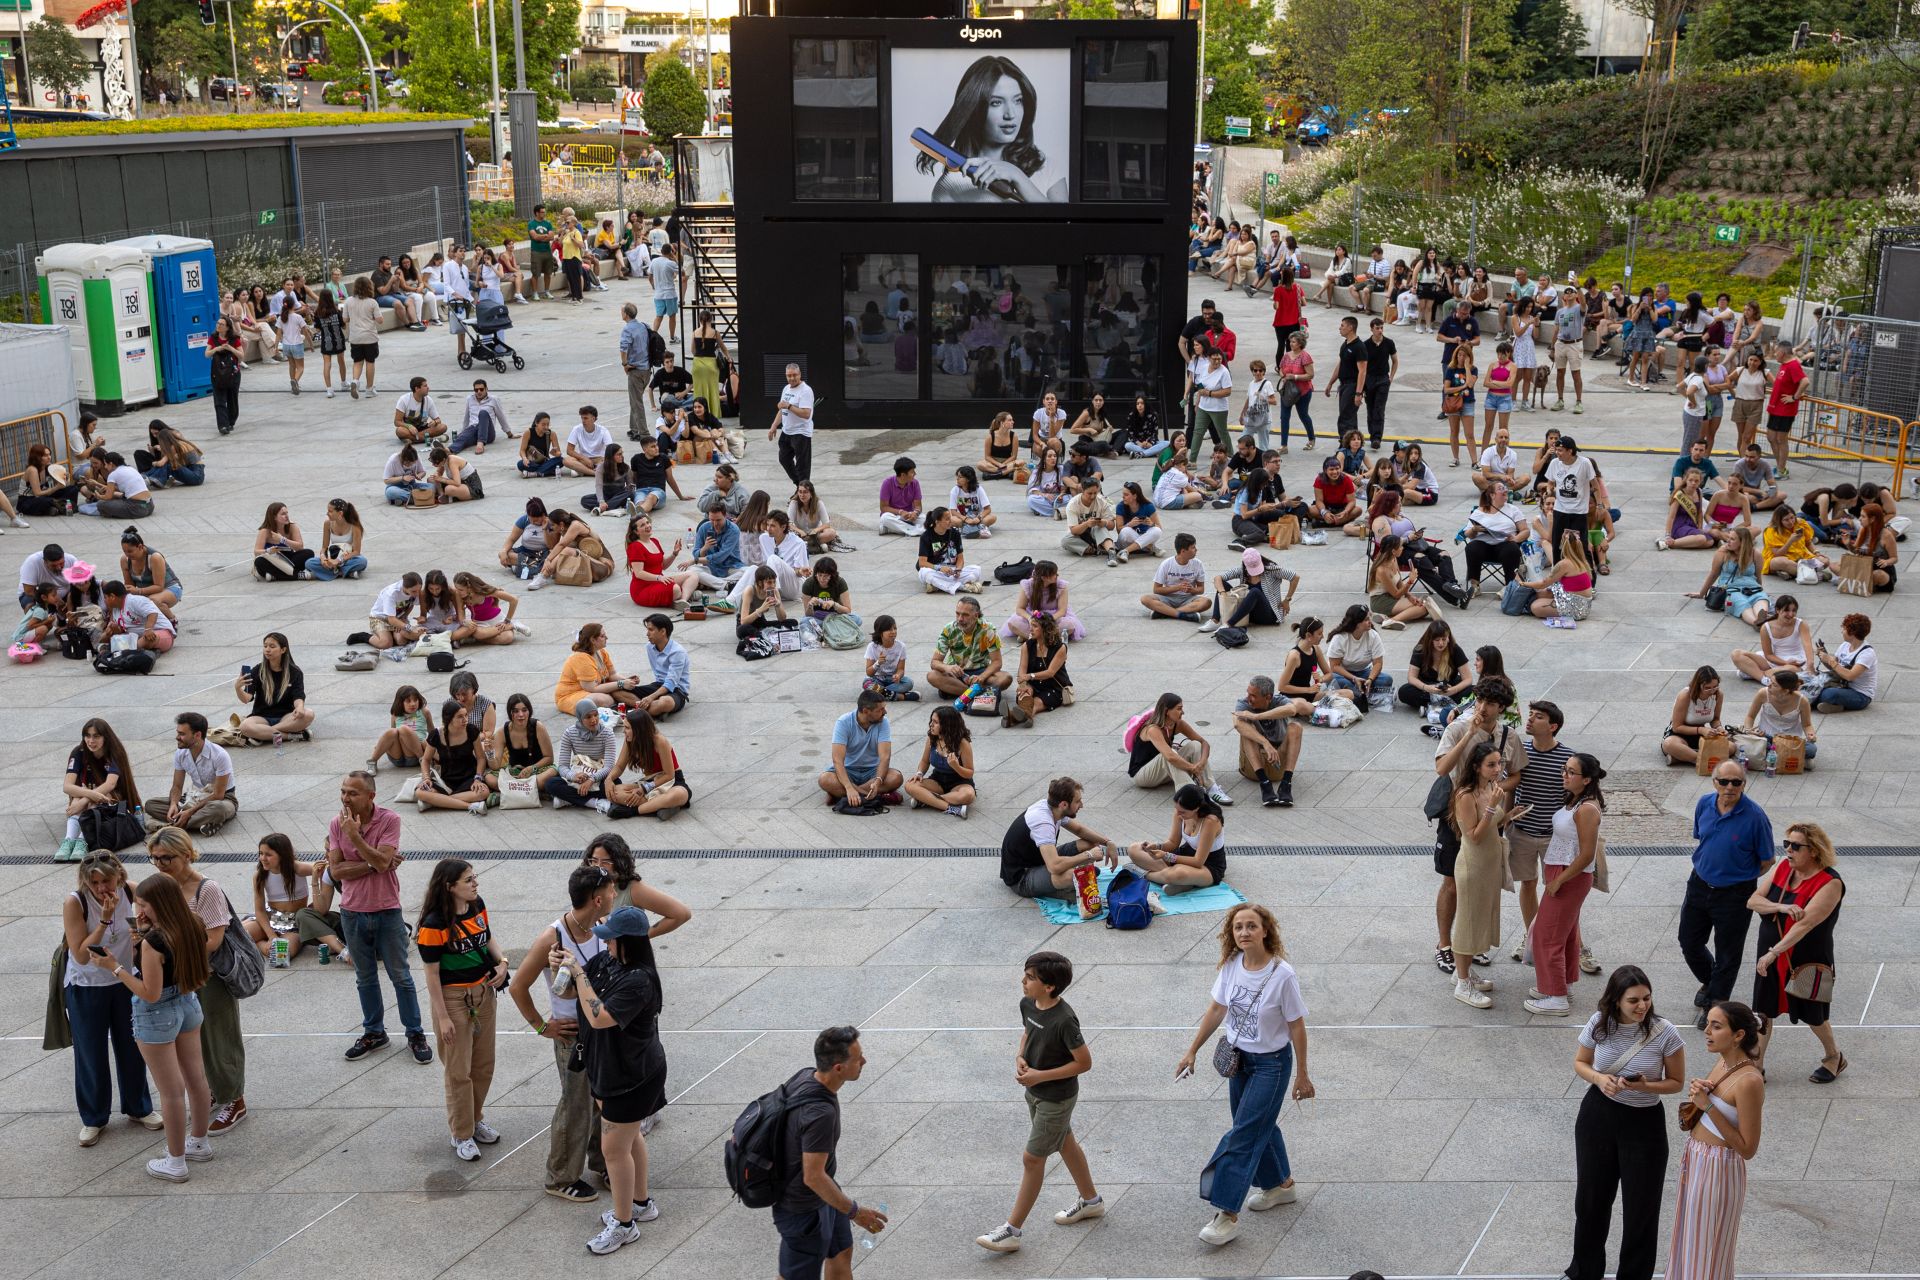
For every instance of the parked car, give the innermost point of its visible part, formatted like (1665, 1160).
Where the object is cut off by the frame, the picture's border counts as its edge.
(222, 89)
(565, 124)
(281, 93)
(54, 115)
(297, 70)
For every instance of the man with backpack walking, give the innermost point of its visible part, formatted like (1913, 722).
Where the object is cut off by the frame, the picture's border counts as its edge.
(782, 1156)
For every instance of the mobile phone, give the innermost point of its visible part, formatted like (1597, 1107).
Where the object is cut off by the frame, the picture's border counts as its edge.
(96, 948)
(1635, 1078)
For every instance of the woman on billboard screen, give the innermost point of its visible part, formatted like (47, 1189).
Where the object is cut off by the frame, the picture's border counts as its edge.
(983, 151)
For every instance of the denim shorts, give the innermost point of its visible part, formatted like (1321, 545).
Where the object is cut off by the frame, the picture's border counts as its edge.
(166, 1019)
(666, 306)
(641, 495)
(294, 350)
(1499, 402)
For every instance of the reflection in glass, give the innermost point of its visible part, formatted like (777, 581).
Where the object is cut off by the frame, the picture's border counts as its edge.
(1000, 332)
(1122, 346)
(879, 326)
(1124, 120)
(836, 119)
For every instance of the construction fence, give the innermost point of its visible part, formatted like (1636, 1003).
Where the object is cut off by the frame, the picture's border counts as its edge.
(264, 246)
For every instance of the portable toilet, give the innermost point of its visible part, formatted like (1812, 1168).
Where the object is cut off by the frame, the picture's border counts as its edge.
(186, 301)
(104, 296)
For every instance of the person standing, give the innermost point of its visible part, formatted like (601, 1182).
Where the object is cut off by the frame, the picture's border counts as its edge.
(793, 424)
(573, 1134)
(1735, 849)
(223, 1049)
(464, 968)
(633, 359)
(1630, 1058)
(1053, 1054)
(668, 285)
(1257, 994)
(1540, 791)
(540, 247)
(1806, 890)
(1567, 870)
(626, 1067)
(814, 1217)
(1350, 377)
(1569, 337)
(363, 857)
(1573, 479)
(99, 1006)
(1728, 1102)
(1783, 403)
(1479, 813)
(1383, 366)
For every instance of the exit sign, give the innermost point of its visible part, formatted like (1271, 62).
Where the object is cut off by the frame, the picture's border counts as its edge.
(1726, 233)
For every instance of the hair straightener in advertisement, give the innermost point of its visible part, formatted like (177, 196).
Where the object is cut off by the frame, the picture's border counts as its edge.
(941, 153)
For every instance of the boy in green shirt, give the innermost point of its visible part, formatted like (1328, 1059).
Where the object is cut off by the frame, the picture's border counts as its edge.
(1052, 1054)
(540, 242)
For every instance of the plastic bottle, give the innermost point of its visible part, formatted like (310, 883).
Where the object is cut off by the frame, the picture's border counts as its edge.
(1773, 760)
(326, 954)
(279, 743)
(867, 1239)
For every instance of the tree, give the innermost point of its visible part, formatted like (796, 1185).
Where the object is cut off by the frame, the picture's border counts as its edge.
(1547, 35)
(675, 104)
(595, 82)
(447, 72)
(186, 49)
(1236, 92)
(56, 58)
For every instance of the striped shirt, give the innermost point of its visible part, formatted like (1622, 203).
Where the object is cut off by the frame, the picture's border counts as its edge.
(1542, 787)
(459, 947)
(1656, 1043)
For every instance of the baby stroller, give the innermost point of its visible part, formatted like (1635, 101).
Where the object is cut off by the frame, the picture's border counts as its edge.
(490, 319)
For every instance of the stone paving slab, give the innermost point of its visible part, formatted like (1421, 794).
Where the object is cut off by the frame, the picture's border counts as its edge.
(1439, 1143)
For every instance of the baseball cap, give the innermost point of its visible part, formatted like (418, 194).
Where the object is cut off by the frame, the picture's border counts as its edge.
(624, 922)
(1252, 561)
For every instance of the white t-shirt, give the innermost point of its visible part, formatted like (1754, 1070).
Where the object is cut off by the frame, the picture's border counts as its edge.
(1750, 385)
(408, 407)
(1041, 825)
(792, 424)
(1491, 459)
(591, 444)
(791, 549)
(399, 472)
(213, 762)
(1695, 388)
(459, 283)
(1047, 425)
(1572, 485)
(293, 329)
(887, 662)
(1212, 387)
(128, 481)
(1868, 681)
(1190, 577)
(1356, 653)
(394, 602)
(970, 505)
(34, 572)
(1259, 1004)
(1173, 482)
(134, 612)
(665, 274)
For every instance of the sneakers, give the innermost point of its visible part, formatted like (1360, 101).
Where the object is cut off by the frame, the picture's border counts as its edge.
(1267, 1198)
(1218, 794)
(536, 582)
(199, 1150)
(1220, 1230)
(227, 1116)
(466, 1148)
(1519, 953)
(1443, 959)
(1081, 1211)
(643, 1211)
(612, 1236)
(1468, 993)
(168, 1168)
(1267, 798)
(1210, 626)
(1283, 793)
(72, 849)
(958, 810)
(1558, 405)
(485, 1134)
(1587, 963)
(647, 1125)
(422, 1051)
(1551, 1006)
(579, 1192)
(1002, 1239)
(150, 1122)
(90, 1134)
(1578, 407)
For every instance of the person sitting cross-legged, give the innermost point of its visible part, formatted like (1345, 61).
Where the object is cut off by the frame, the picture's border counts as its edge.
(967, 653)
(585, 755)
(862, 774)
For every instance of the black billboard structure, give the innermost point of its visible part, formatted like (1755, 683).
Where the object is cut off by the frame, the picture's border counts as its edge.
(940, 220)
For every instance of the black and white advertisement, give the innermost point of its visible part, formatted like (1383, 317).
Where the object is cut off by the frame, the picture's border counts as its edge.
(981, 128)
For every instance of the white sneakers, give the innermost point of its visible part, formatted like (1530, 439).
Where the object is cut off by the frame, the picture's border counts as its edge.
(1081, 1211)
(199, 1150)
(1222, 1229)
(1468, 993)
(1266, 1198)
(90, 1134)
(485, 1134)
(1002, 1239)
(1218, 794)
(465, 1148)
(168, 1168)
(1551, 1006)
(612, 1236)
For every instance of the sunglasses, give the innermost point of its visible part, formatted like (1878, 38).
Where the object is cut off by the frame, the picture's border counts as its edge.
(1729, 782)
(1793, 845)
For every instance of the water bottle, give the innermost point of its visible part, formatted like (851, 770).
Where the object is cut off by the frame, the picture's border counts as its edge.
(867, 1237)
(1773, 760)
(326, 954)
(279, 743)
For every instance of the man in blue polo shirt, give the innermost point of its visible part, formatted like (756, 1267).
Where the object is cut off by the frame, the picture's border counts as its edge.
(1735, 849)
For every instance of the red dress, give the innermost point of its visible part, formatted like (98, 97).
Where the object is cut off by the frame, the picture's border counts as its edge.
(651, 559)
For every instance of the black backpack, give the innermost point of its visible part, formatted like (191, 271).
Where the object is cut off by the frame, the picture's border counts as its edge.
(656, 348)
(1230, 637)
(756, 1151)
(125, 662)
(1012, 572)
(75, 643)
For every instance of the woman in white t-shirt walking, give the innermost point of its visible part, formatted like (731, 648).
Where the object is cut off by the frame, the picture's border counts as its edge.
(1257, 994)
(1631, 1057)
(293, 340)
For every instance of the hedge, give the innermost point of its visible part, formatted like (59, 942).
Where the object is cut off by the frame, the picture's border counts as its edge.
(227, 123)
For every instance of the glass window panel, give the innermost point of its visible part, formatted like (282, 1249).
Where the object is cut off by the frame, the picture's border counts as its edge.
(1123, 129)
(836, 119)
(879, 326)
(1000, 332)
(1122, 347)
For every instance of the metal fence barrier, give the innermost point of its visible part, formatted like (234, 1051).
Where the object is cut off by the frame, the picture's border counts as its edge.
(19, 435)
(1831, 429)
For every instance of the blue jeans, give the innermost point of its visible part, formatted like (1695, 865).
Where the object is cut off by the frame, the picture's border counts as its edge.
(1841, 698)
(1382, 683)
(541, 469)
(380, 938)
(401, 495)
(351, 565)
(161, 477)
(1252, 1153)
(481, 432)
(103, 1046)
(1301, 407)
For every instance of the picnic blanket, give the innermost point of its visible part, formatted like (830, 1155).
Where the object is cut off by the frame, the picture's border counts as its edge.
(1219, 897)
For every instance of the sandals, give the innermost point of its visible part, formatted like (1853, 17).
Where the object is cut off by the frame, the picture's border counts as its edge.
(1823, 1076)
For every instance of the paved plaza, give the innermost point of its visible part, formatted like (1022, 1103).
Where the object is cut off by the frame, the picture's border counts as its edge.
(1440, 1142)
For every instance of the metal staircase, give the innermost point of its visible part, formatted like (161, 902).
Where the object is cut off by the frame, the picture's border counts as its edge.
(703, 209)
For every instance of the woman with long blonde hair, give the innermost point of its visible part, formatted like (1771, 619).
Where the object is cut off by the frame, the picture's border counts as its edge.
(1257, 994)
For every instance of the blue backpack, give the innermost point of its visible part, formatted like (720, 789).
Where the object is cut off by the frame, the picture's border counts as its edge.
(1127, 902)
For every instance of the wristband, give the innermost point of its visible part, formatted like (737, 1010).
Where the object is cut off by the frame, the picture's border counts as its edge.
(854, 1211)
(540, 1028)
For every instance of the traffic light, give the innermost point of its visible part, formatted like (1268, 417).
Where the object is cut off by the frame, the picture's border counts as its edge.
(206, 12)
(1800, 35)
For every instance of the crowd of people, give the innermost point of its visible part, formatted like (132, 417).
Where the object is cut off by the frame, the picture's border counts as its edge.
(156, 970)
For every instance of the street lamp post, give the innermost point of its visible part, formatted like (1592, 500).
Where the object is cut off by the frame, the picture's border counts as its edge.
(233, 51)
(493, 67)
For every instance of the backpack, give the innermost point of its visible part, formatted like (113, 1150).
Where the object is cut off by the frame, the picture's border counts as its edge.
(755, 647)
(126, 662)
(1127, 902)
(756, 1151)
(1230, 637)
(839, 631)
(1013, 572)
(1131, 734)
(75, 643)
(656, 348)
